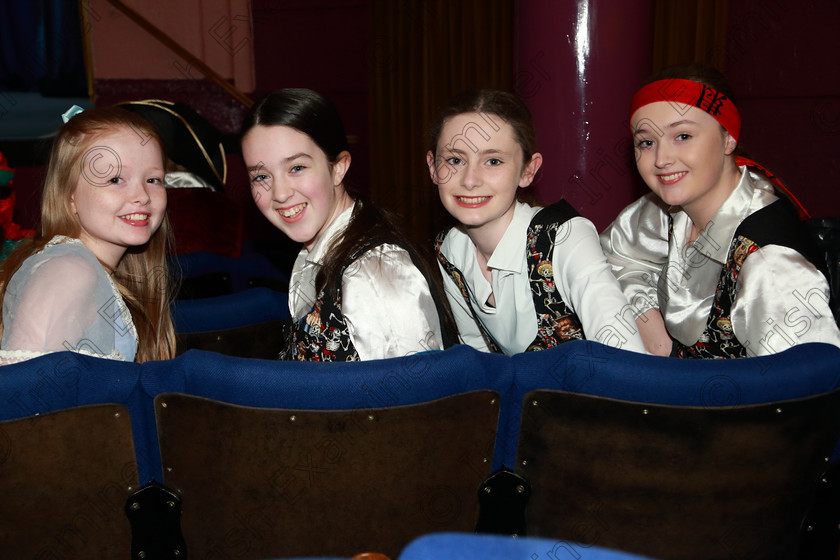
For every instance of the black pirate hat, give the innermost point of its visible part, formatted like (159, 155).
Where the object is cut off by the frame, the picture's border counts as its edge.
(188, 138)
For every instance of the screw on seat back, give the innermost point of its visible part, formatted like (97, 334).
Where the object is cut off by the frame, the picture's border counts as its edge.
(671, 481)
(324, 482)
(64, 478)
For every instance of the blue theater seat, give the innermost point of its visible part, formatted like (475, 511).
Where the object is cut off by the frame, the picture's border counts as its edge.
(462, 546)
(327, 458)
(294, 482)
(247, 324)
(591, 368)
(248, 307)
(68, 379)
(676, 459)
(64, 380)
(669, 458)
(240, 273)
(329, 386)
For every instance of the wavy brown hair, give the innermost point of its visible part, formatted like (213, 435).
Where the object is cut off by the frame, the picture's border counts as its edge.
(142, 275)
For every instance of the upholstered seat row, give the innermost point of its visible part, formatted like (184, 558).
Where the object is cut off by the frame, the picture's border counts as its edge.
(604, 446)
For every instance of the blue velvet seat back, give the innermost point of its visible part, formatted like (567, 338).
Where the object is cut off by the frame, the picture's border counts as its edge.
(327, 386)
(249, 307)
(440, 546)
(591, 368)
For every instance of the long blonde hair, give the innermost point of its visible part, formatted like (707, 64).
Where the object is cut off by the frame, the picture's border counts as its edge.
(142, 275)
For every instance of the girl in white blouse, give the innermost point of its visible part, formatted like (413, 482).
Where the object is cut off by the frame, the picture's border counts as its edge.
(93, 279)
(359, 290)
(717, 259)
(518, 277)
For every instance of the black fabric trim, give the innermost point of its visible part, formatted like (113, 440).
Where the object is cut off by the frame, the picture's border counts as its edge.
(779, 224)
(560, 212)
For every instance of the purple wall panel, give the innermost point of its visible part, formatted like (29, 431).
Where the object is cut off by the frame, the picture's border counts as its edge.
(782, 63)
(579, 64)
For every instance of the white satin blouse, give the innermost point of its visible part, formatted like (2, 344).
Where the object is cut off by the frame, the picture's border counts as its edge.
(385, 299)
(781, 298)
(63, 299)
(581, 276)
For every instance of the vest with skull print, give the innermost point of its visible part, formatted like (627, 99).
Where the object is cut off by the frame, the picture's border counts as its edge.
(556, 322)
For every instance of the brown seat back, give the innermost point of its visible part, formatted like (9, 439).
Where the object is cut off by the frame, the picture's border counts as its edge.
(262, 483)
(261, 340)
(674, 482)
(64, 480)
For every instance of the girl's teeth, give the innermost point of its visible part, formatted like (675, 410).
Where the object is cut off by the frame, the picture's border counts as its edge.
(473, 199)
(294, 211)
(135, 217)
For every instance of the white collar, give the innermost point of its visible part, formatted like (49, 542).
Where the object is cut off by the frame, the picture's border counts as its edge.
(319, 251)
(508, 255)
(751, 192)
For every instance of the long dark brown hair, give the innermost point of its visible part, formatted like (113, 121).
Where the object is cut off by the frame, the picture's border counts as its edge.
(312, 114)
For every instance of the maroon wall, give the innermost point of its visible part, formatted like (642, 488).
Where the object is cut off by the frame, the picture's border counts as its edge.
(322, 46)
(779, 56)
(781, 60)
(579, 63)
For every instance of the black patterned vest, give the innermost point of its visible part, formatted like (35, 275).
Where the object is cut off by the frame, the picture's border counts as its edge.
(775, 224)
(322, 335)
(556, 322)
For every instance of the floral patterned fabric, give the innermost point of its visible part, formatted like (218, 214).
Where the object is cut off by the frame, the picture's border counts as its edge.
(718, 340)
(322, 335)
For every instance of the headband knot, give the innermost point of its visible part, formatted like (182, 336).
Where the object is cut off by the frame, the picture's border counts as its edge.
(682, 94)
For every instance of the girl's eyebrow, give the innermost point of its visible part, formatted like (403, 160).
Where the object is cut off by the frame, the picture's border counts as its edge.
(645, 126)
(681, 122)
(295, 156)
(459, 151)
(282, 161)
(642, 127)
(127, 168)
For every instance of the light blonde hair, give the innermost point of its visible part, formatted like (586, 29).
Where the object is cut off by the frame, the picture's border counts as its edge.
(142, 275)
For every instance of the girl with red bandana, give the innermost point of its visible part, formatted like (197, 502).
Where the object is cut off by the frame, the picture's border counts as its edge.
(716, 256)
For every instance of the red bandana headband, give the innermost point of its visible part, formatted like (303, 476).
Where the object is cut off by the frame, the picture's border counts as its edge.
(682, 94)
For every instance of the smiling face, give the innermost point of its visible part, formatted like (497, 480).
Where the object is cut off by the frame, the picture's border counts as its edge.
(685, 157)
(478, 170)
(120, 198)
(292, 183)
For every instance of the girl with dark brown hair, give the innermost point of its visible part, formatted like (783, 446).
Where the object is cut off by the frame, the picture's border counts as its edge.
(360, 289)
(518, 277)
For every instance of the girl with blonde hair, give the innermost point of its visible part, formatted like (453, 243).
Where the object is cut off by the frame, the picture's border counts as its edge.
(94, 278)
